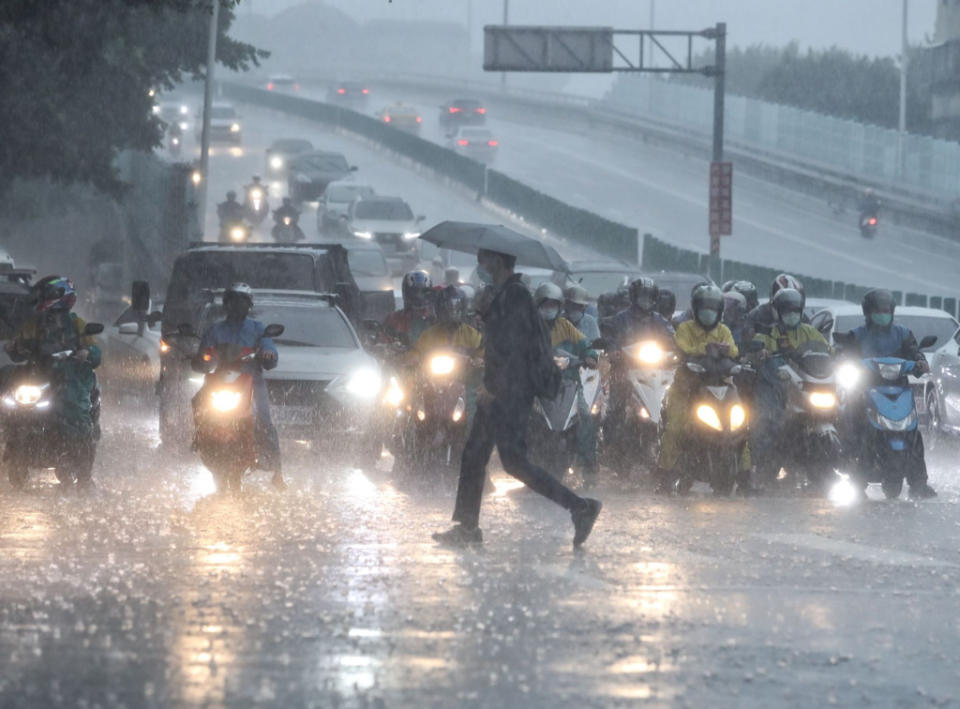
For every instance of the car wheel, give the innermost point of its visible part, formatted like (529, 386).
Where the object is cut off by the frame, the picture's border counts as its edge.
(935, 426)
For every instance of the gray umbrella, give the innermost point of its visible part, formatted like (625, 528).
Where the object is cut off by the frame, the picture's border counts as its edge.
(470, 238)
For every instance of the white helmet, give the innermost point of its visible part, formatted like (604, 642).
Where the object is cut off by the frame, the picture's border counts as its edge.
(241, 289)
(548, 291)
(578, 295)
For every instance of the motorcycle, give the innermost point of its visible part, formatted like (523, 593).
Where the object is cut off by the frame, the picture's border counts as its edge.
(553, 430)
(287, 231)
(811, 448)
(868, 224)
(223, 411)
(647, 371)
(889, 446)
(256, 205)
(715, 442)
(32, 403)
(235, 232)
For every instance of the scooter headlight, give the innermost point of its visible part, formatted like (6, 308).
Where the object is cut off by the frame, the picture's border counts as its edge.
(441, 365)
(238, 233)
(276, 162)
(890, 372)
(823, 399)
(364, 383)
(234, 127)
(394, 395)
(738, 416)
(256, 194)
(28, 394)
(650, 354)
(459, 410)
(848, 376)
(225, 400)
(708, 415)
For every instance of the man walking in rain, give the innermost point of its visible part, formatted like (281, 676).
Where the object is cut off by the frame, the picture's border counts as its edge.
(504, 402)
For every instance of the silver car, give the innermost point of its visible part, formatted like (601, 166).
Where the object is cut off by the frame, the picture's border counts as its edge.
(389, 222)
(335, 203)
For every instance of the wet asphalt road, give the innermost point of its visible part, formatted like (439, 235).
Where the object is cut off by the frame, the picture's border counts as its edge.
(152, 592)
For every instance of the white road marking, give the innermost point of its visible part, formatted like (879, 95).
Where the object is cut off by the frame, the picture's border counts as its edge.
(852, 550)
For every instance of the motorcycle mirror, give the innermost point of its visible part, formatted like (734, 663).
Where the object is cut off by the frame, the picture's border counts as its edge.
(354, 168)
(93, 328)
(155, 317)
(928, 341)
(696, 368)
(273, 330)
(140, 297)
(844, 339)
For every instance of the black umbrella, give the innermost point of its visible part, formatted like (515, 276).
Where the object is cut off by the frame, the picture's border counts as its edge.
(470, 238)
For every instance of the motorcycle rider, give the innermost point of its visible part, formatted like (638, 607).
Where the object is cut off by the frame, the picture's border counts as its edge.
(788, 335)
(761, 320)
(735, 314)
(287, 210)
(869, 203)
(405, 326)
(55, 328)
(640, 319)
(575, 302)
(238, 329)
(231, 211)
(747, 289)
(702, 335)
(248, 200)
(880, 336)
(666, 304)
(564, 335)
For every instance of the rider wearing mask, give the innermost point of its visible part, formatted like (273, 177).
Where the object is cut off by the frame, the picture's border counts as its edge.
(231, 211)
(880, 336)
(576, 300)
(405, 326)
(704, 334)
(787, 336)
(762, 319)
(238, 329)
(54, 328)
(640, 320)
(564, 335)
(666, 304)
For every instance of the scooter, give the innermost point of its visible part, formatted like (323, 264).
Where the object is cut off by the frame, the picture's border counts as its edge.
(811, 448)
(235, 232)
(256, 205)
(223, 411)
(890, 446)
(868, 224)
(716, 439)
(287, 231)
(31, 406)
(553, 430)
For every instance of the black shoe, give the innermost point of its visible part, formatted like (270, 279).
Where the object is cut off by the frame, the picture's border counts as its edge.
(459, 536)
(922, 492)
(583, 520)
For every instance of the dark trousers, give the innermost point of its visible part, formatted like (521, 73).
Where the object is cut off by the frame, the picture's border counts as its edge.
(504, 424)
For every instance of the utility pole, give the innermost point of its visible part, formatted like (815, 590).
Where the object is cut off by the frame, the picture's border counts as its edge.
(207, 97)
(719, 86)
(902, 126)
(506, 21)
(653, 26)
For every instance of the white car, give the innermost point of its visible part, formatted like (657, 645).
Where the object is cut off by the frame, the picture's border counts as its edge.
(282, 82)
(335, 203)
(325, 386)
(132, 352)
(225, 125)
(391, 223)
(477, 143)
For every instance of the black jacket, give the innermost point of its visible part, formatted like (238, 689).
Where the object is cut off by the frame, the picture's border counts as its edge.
(509, 331)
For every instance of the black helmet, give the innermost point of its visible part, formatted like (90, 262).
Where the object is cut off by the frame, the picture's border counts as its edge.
(786, 301)
(416, 289)
(878, 300)
(707, 299)
(749, 291)
(666, 302)
(450, 304)
(231, 196)
(785, 280)
(643, 293)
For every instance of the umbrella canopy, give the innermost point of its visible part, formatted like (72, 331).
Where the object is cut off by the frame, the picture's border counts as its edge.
(470, 238)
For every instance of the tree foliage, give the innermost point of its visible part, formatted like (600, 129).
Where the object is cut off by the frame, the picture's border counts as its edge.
(75, 77)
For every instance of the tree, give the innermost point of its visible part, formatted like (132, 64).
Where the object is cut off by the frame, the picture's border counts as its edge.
(75, 80)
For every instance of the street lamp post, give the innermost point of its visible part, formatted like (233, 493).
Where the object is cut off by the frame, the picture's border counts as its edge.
(207, 99)
(902, 126)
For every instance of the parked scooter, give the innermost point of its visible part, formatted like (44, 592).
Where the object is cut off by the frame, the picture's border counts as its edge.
(223, 411)
(553, 429)
(31, 409)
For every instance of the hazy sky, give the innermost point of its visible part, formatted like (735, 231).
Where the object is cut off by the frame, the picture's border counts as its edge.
(864, 26)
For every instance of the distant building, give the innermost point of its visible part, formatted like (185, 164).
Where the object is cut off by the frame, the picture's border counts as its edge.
(937, 69)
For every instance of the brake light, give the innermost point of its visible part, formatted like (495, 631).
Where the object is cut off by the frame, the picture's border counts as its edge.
(481, 110)
(493, 143)
(296, 87)
(463, 141)
(873, 221)
(366, 91)
(341, 91)
(419, 119)
(207, 357)
(386, 119)
(454, 109)
(270, 86)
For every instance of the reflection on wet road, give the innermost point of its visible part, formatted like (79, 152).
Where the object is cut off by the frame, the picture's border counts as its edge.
(152, 592)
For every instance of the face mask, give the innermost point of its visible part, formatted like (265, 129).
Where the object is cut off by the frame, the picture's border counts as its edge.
(791, 320)
(708, 318)
(574, 316)
(237, 311)
(549, 314)
(881, 319)
(484, 275)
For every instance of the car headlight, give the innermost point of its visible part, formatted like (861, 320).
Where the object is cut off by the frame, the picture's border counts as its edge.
(28, 394)
(184, 110)
(848, 375)
(225, 400)
(234, 127)
(442, 364)
(708, 415)
(738, 416)
(823, 399)
(394, 395)
(411, 235)
(183, 125)
(276, 162)
(650, 353)
(238, 233)
(363, 234)
(364, 383)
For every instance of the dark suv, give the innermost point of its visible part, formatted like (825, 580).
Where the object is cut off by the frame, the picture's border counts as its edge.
(461, 112)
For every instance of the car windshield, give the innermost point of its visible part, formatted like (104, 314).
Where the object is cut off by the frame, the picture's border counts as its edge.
(290, 147)
(303, 326)
(258, 269)
(324, 163)
(599, 282)
(943, 328)
(347, 193)
(466, 104)
(376, 209)
(223, 112)
(367, 262)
